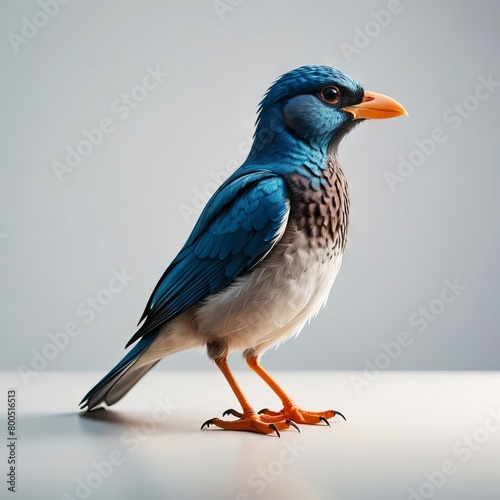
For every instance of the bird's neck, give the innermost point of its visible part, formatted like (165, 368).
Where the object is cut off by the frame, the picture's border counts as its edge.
(274, 142)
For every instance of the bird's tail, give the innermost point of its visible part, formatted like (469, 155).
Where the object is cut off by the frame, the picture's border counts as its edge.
(123, 376)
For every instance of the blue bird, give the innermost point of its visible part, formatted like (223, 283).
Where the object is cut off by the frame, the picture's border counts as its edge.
(263, 256)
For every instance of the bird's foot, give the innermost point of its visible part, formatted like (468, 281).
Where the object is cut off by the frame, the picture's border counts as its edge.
(292, 412)
(252, 422)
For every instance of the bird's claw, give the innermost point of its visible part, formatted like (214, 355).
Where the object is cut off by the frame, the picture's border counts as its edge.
(250, 422)
(267, 411)
(306, 418)
(275, 429)
(208, 423)
(292, 413)
(323, 419)
(235, 413)
(338, 413)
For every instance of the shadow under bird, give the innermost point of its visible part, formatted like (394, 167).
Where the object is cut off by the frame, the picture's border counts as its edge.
(265, 251)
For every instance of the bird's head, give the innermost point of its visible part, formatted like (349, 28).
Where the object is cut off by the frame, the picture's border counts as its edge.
(314, 107)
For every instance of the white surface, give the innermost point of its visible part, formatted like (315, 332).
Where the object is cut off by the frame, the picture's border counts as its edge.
(399, 427)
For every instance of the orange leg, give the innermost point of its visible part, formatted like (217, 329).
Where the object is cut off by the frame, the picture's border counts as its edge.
(290, 411)
(249, 420)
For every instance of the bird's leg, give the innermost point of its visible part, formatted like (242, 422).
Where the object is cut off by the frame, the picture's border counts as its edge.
(248, 420)
(290, 410)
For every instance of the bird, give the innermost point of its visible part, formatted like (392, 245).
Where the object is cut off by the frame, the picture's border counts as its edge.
(265, 251)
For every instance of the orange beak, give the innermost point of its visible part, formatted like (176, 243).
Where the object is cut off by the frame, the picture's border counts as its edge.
(376, 106)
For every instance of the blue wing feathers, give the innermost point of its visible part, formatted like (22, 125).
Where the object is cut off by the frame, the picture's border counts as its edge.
(238, 227)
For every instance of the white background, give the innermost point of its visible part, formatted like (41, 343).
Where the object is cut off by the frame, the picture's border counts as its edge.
(122, 206)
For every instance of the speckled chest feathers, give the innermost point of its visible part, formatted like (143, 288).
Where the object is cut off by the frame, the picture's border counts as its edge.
(320, 206)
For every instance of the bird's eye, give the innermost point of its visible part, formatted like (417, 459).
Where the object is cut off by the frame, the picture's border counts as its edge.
(330, 94)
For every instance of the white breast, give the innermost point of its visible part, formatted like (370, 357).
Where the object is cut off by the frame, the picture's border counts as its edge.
(272, 302)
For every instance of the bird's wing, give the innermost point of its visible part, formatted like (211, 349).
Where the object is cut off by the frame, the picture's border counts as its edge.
(241, 223)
